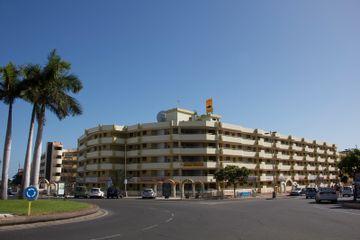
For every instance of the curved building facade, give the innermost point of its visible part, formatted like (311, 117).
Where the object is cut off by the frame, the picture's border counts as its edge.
(184, 150)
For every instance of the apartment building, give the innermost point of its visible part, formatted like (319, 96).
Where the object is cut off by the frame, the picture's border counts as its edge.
(58, 165)
(184, 150)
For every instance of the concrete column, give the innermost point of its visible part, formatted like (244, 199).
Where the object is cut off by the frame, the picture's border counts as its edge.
(182, 187)
(155, 188)
(173, 191)
(193, 189)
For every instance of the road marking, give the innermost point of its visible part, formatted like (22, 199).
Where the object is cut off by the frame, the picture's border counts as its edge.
(149, 227)
(336, 210)
(108, 237)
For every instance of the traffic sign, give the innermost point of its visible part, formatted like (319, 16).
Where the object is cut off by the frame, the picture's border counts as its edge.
(31, 193)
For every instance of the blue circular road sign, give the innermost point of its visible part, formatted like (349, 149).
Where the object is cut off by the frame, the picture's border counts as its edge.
(31, 193)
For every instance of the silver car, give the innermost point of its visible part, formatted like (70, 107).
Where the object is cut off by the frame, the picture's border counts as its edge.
(326, 194)
(148, 193)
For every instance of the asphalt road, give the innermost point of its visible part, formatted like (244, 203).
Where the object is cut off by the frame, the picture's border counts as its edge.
(296, 218)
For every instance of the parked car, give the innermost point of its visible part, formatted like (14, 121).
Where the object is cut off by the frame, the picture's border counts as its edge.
(295, 192)
(347, 192)
(326, 194)
(310, 193)
(113, 192)
(81, 192)
(96, 193)
(148, 193)
(303, 191)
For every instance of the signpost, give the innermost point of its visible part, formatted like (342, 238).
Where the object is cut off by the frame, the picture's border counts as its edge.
(31, 194)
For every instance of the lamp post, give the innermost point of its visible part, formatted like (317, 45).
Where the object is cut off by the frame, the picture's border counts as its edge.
(271, 133)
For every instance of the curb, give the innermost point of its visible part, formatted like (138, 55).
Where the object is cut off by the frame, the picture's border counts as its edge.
(46, 218)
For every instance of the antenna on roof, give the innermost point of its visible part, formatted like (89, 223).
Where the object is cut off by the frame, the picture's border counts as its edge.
(178, 103)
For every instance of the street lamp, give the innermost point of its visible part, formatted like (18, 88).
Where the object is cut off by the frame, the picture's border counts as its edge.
(271, 133)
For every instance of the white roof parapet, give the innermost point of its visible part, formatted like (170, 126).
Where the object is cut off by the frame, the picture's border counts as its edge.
(237, 127)
(182, 110)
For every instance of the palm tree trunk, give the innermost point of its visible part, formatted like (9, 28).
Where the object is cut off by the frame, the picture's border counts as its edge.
(26, 172)
(6, 158)
(37, 150)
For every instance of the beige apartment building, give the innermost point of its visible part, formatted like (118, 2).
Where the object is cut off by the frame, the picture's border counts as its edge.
(58, 165)
(184, 150)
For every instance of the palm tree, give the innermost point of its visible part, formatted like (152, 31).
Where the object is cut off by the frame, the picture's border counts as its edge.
(9, 91)
(53, 93)
(31, 82)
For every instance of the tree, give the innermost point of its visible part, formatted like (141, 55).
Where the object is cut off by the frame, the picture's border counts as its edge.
(53, 93)
(17, 179)
(233, 175)
(350, 163)
(9, 91)
(31, 83)
(344, 178)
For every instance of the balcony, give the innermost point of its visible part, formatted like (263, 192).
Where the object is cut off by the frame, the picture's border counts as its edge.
(91, 167)
(155, 152)
(312, 177)
(81, 169)
(81, 147)
(332, 176)
(298, 158)
(264, 166)
(298, 168)
(81, 158)
(250, 166)
(321, 159)
(194, 151)
(156, 138)
(80, 180)
(265, 144)
(320, 151)
(331, 169)
(267, 178)
(106, 166)
(283, 156)
(308, 149)
(299, 177)
(234, 152)
(282, 146)
(237, 140)
(194, 137)
(321, 168)
(310, 168)
(282, 167)
(263, 154)
(330, 160)
(296, 148)
(154, 166)
(91, 179)
(310, 159)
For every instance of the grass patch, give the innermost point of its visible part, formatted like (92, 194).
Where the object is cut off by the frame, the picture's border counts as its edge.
(40, 207)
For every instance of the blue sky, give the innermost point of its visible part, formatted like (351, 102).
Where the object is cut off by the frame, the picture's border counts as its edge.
(289, 66)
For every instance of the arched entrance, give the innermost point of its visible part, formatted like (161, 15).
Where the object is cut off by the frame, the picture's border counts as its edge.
(199, 189)
(187, 188)
(288, 185)
(167, 188)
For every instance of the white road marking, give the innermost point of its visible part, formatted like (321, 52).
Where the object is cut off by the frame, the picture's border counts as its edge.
(107, 237)
(336, 210)
(149, 227)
